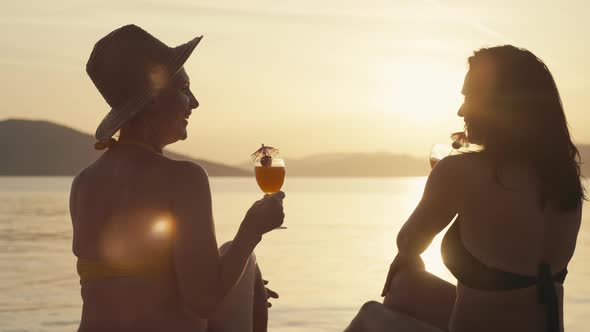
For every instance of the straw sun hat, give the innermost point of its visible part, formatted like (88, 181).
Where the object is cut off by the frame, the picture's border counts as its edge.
(128, 67)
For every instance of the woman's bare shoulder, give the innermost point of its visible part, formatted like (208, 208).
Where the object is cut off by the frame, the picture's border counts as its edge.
(467, 159)
(457, 171)
(80, 178)
(185, 167)
(465, 164)
(188, 172)
(456, 165)
(189, 191)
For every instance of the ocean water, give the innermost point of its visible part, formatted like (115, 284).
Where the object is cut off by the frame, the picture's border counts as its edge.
(332, 258)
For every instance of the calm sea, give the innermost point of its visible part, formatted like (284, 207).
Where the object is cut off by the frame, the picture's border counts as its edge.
(332, 258)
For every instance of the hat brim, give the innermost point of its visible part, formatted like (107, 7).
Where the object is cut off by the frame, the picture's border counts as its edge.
(117, 116)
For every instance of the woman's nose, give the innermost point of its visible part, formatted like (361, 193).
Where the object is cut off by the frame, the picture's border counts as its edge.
(460, 112)
(193, 102)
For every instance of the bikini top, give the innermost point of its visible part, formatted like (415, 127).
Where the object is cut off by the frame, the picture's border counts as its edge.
(473, 273)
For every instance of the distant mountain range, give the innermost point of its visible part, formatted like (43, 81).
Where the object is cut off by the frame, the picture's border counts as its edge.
(45, 148)
(378, 164)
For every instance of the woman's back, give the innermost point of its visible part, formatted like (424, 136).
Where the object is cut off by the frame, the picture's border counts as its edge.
(504, 226)
(121, 217)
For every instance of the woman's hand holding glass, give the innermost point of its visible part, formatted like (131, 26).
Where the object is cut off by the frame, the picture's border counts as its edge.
(265, 214)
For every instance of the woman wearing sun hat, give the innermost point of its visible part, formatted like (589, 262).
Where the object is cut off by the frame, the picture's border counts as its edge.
(144, 236)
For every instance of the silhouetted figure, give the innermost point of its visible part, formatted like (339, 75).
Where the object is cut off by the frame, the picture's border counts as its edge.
(144, 235)
(518, 204)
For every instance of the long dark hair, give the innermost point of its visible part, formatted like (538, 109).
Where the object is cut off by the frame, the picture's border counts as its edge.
(525, 122)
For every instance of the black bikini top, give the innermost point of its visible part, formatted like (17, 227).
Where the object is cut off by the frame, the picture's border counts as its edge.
(474, 274)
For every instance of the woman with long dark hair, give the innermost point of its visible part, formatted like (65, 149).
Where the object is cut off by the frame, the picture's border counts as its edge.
(517, 202)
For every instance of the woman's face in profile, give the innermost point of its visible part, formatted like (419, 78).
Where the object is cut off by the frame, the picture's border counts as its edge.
(172, 107)
(476, 107)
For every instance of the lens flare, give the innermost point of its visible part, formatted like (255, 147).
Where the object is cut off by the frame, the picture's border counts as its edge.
(161, 227)
(158, 77)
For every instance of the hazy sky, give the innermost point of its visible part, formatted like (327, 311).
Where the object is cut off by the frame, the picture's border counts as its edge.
(305, 76)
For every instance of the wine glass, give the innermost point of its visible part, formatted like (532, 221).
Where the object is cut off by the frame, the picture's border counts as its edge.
(438, 152)
(270, 176)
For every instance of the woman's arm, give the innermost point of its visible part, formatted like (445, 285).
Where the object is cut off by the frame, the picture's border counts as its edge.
(437, 208)
(205, 277)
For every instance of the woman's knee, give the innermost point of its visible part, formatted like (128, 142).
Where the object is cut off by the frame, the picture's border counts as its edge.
(236, 309)
(371, 307)
(405, 288)
(374, 316)
(406, 280)
(225, 247)
(423, 296)
(366, 314)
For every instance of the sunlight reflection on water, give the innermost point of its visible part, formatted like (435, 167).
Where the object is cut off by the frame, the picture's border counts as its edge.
(332, 258)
